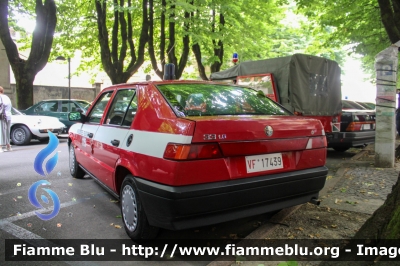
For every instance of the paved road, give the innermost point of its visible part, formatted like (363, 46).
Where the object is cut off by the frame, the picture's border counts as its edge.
(336, 159)
(87, 211)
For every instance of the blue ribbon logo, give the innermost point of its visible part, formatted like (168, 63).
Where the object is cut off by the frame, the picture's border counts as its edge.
(49, 166)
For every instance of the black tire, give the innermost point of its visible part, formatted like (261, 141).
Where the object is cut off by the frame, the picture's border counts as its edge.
(133, 216)
(21, 135)
(74, 168)
(341, 149)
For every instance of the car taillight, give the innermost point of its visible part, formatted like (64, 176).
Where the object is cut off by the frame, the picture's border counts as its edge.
(316, 142)
(359, 126)
(353, 127)
(192, 151)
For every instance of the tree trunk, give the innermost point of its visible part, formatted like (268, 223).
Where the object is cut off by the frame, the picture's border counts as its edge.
(42, 40)
(218, 47)
(24, 82)
(390, 16)
(197, 53)
(385, 221)
(159, 72)
(122, 38)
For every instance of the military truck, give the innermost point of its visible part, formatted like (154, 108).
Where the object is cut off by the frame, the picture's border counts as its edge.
(308, 86)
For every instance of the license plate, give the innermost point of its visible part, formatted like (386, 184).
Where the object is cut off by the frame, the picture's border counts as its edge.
(265, 162)
(367, 127)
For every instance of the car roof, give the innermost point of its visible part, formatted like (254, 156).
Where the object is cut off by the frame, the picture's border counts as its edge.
(63, 100)
(127, 85)
(352, 104)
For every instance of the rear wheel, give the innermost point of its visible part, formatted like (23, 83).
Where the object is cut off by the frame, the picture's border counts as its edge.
(341, 149)
(21, 135)
(75, 170)
(133, 216)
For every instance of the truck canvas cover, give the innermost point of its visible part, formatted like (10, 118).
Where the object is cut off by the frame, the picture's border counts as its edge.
(307, 84)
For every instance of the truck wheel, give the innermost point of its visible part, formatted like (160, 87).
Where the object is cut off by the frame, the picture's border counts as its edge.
(133, 216)
(21, 135)
(74, 168)
(341, 149)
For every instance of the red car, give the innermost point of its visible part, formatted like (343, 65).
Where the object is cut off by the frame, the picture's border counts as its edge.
(183, 154)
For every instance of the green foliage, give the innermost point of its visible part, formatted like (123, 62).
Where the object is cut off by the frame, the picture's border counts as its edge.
(353, 24)
(255, 29)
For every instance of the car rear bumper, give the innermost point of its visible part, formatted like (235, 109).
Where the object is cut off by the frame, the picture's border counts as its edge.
(350, 139)
(177, 208)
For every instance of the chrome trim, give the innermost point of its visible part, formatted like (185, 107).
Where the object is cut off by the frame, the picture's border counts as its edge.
(268, 130)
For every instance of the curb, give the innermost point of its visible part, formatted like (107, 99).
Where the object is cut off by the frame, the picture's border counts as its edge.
(261, 232)
(264, 230)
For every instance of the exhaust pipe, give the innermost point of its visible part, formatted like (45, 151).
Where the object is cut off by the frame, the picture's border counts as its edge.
(315, 201)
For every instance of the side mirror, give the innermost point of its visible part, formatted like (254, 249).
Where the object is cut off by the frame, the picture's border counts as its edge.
(76, 116)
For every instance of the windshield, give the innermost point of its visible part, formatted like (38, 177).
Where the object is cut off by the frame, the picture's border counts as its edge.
(218, 99)
(84, 104)
(15, 111)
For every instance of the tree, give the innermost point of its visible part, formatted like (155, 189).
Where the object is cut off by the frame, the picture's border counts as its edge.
(255, 30)
(210, 29)
(25, 70)
(217, 24)
(221, 28)
(365, 27)
(122, 39)
(171, 11)
(390, 14)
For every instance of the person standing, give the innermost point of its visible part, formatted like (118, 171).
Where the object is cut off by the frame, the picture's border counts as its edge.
(5, 122)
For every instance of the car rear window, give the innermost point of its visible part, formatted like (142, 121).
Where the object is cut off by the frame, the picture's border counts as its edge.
(218, 99)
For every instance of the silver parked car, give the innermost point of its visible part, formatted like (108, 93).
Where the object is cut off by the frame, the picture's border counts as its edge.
(27, 127)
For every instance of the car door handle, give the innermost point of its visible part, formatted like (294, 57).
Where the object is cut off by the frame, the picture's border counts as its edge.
(90, 135)
(115, 142)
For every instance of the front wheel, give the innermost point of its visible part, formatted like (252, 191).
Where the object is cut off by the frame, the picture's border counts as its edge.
(133, 216)
(75, 170)
(21, 135)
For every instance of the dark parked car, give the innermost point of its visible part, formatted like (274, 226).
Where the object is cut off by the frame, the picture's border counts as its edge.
(357, 127)
(58, 108)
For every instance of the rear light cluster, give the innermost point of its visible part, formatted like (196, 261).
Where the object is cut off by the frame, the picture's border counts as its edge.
(360, 126)
(183, 152)
(316, 142)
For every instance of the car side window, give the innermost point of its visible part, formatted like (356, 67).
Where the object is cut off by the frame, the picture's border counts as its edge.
(51, 106)
(64, 106)
(118, 113)
(97, 111)
(130, 114)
